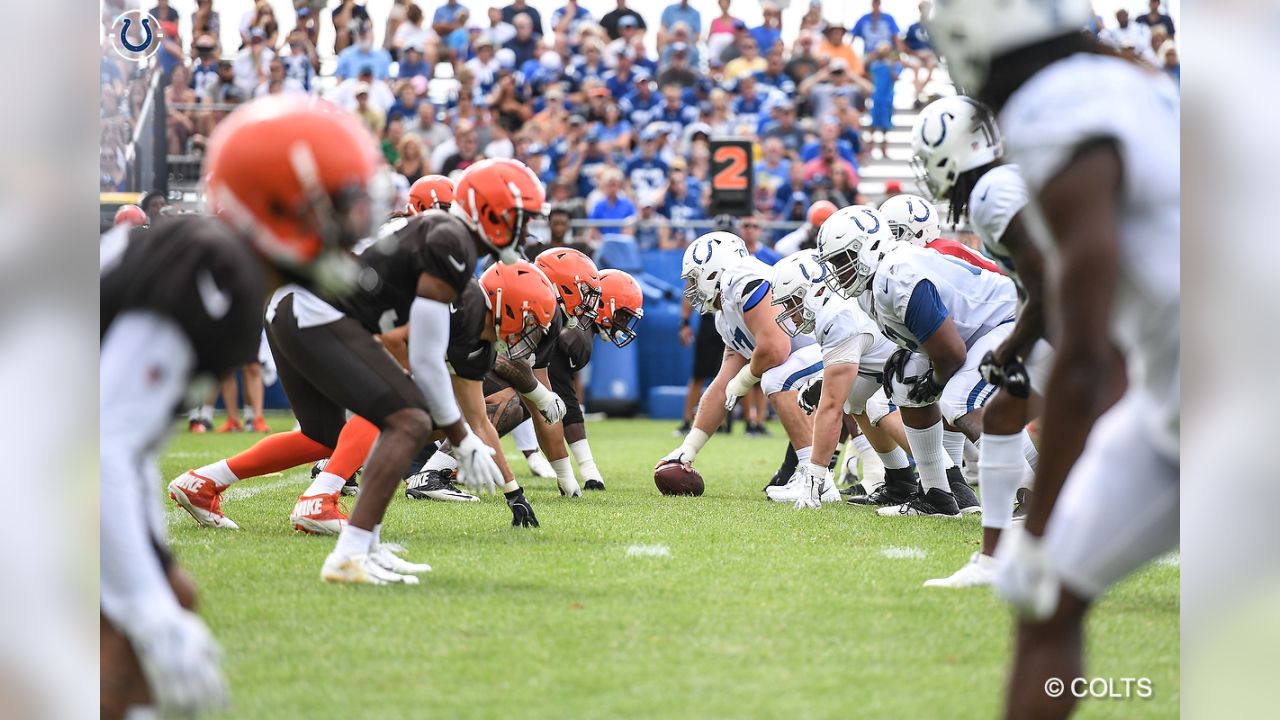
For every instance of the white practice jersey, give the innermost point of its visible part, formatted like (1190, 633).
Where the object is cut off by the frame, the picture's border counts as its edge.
(997, 197)
(976, 300)
(1089, 97)
(839, 323)
(743, 286)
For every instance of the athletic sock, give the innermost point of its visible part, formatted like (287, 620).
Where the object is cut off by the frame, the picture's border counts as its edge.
(375, 537)
(1000, 471)
(526, 439)
(275, 453)
(586, 464)
(354, 443)
(953, 442)
(789, 462)
(564, 471)
(872, 474)
(895, 459)
(441, 461)
(353, 541)
(803, 454)
(219, 473)
(970, 467)
(931, 459)
(326, 483)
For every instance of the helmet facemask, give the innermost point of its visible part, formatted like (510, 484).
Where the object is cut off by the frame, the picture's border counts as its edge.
(619, 326)
(847, 275)
(795, 317)
(523, 343)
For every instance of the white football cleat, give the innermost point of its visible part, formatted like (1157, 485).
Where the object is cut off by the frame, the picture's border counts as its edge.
(200, 497)
(539, 466)
(386, 558)
(360, 570)
(795, 489)
(980, 571)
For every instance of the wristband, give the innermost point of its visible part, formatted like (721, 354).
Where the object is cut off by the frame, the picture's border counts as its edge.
(539, 395)
(695, 440)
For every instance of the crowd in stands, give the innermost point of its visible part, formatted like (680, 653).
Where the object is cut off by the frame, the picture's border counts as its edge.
(614, 113)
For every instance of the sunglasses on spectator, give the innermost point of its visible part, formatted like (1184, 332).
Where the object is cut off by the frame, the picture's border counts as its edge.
(751, 226)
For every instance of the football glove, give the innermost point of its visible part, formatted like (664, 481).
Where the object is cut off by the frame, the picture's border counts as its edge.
(182, 663)
(475, 461)
(688, 449)
(521, 511)
(894, 367)
(549, 404)
(813, 480)
(809, 393)
(739, 385)
(925, 389)
(1012, 375)
(1024, 578)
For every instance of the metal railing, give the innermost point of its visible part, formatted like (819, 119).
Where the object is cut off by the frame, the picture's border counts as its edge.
(145, 155)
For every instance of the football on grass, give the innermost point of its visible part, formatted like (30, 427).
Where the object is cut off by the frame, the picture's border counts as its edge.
(675, 478)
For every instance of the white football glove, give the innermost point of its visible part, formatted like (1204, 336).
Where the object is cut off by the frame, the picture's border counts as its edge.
(182, 663)
(550, 406)
(739, 385)
(475, 462)
(1024, 578)
(813, 480)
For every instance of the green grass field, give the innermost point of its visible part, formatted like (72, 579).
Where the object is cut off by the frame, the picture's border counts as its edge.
(758, 610)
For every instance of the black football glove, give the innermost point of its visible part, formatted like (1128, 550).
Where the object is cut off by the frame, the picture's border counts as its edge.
(521, 511)
(990, 370)
(1012, 376)
(809, 395)
(894, 366)
(925, 390)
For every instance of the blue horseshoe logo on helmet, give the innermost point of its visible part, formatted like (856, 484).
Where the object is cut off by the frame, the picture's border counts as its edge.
(702, 261)
(873, 229)
(124, 35)
(942, 133)
(911, 210)
(804, 270)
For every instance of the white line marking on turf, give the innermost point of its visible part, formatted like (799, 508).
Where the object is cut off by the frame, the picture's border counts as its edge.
(894, 552)
(648, 551)
(176, 514)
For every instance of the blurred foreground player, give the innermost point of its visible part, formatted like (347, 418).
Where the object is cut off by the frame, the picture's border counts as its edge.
(183, 300)
(1096, 136)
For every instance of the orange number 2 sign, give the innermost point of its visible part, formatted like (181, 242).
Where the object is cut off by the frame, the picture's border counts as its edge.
(733, 176)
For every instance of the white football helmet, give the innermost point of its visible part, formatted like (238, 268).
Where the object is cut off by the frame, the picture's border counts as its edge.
(704, 264)
(800, 287)
(912, 219)
(951, 136)
(970, 33)
(850, 244)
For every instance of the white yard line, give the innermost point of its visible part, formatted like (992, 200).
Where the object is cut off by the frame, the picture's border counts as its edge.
(894, 552)
(648, 551)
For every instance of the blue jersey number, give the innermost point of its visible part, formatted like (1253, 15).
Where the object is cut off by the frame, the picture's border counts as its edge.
(741, 341)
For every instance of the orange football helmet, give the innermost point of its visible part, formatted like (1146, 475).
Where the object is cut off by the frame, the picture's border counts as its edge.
(496, 199)
(430, 192)
(575, 277)
(523, 303)
(819, 212)
(296, 175)
(621, 307)
(132, 215)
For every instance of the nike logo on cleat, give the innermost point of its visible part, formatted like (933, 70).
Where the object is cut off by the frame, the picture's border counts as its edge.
(310, 506)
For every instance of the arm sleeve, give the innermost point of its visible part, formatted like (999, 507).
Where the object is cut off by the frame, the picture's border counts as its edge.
(925, 311)
(428, 338)
(847, 351)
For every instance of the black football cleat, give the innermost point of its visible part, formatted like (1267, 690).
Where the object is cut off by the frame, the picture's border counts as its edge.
(1020, 500)
(934, 503)
(436, 485)
(854, 489)
(899, 485)
(965, 497)
(593, 485)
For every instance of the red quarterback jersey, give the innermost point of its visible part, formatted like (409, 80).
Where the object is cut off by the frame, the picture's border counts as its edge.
(954, 248)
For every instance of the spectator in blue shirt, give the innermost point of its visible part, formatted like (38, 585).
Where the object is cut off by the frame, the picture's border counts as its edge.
(449, 17)
(624, 76)
(673, 111)
(298, 59)
(750, 230)
(876, 28)
(613, 205)
(525, 43)
(361, 55)
(683, 202)
(918, 53)
(520, 7)
(677, 13)
(769, 33)
(645, 170)
(576, 14)
(829, 131)
(406, 104)
(413, 63)
(775, 74)
(747, 103)
(638, 105)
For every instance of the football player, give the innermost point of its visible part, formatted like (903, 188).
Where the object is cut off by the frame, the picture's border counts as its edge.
(854, 353)
(723, 279)
(290, 180)
(913, 219)
(429, 192)
(944, 314)
(805, 237)
(329, 362)
(130, 215)
(965, 168)
(1096, 136)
